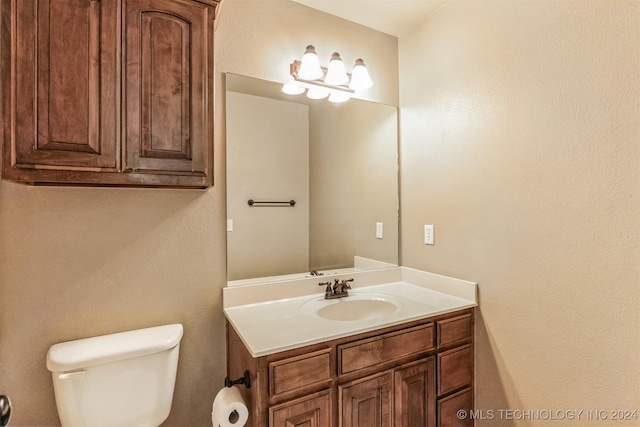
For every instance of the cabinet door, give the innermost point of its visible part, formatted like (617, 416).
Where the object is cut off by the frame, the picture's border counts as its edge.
(450, 408)
(63, 85)
(310, 411)
(168, 86)
(415, 394)
(366, 402)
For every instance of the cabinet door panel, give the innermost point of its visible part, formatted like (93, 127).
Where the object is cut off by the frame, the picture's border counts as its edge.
(366, 402)
(449, 407)
(312, 411)
(167, 86)
(415, 394)
(65, 84)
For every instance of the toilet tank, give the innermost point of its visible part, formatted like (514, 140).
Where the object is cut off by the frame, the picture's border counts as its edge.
(122, 379)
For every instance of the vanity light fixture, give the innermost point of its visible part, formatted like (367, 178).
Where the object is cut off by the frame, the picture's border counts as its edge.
(319, 82)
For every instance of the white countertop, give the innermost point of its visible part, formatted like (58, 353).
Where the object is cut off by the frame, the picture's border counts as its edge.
(268, 325)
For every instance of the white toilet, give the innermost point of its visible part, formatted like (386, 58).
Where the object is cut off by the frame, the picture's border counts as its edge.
(123, 379)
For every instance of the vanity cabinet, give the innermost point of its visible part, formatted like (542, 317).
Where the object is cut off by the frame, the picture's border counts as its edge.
(415, 374)
(111, 92)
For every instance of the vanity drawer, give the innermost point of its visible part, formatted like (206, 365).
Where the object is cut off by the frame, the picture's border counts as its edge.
(384, 348)
(455, 369)
(301, 371)
(455, 330)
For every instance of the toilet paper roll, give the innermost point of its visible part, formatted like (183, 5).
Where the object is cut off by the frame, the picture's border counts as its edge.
(229, 409)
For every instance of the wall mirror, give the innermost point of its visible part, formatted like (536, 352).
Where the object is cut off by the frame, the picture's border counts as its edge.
(337, 162)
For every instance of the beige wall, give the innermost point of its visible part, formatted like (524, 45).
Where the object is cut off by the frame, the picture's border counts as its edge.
(521, 143)
(76, 262)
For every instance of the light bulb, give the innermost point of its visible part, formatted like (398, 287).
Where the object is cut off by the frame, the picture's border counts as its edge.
(360, 76)
(336, 74)
(310, 65)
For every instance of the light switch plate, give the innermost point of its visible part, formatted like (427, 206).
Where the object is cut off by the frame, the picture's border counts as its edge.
(379, 229)
(229, 225)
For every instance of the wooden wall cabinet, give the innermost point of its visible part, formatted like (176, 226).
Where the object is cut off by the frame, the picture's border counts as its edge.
(110, 92)
(416, 374)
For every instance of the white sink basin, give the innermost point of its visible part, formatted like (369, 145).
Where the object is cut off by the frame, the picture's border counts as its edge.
(355, 307)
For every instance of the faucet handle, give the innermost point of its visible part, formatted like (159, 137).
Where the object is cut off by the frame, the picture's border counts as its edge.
(340, 286)
(328, 290)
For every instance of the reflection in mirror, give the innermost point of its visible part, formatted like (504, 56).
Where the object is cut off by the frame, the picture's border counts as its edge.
(338, 162)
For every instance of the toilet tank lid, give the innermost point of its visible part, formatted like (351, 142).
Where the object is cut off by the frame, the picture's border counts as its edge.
(93, 351)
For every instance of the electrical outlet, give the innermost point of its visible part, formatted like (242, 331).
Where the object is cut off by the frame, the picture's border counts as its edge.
(428, 234)
(379, 228)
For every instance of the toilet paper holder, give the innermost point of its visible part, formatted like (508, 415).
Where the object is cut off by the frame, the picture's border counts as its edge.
(246, 380)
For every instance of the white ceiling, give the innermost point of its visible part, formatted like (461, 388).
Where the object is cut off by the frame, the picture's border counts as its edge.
(394, 17)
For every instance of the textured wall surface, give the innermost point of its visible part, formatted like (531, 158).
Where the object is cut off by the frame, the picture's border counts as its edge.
(520, 142)
(77, 262)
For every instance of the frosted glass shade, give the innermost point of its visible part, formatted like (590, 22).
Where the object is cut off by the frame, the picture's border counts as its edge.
(336, 74)
(317, 93)
(360, 76)
(310, 65)
(291, 88)
(339, 97)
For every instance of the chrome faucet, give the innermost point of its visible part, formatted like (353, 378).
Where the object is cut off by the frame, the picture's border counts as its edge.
(337, 289)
